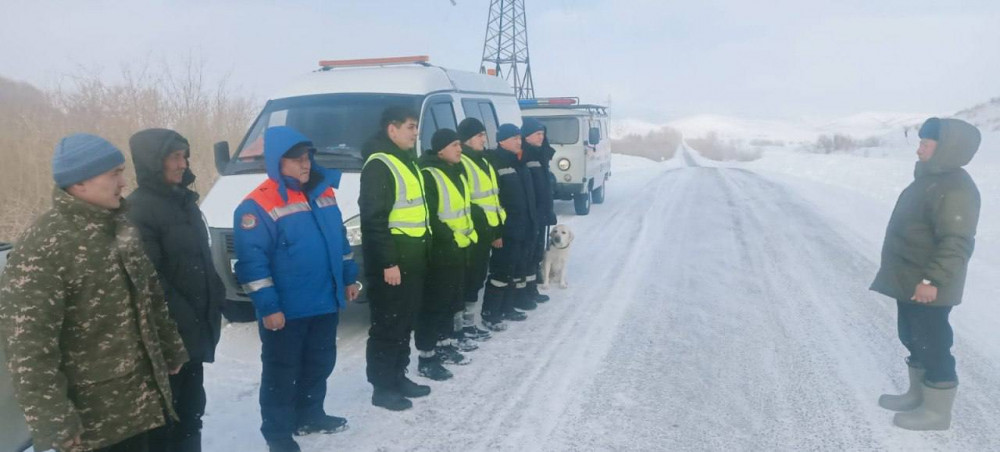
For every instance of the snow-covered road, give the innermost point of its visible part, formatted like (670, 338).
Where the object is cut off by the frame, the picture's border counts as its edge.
(708, 309)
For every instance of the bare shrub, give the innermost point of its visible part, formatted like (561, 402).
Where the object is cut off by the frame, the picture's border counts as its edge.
(658, 145)
(176, 97)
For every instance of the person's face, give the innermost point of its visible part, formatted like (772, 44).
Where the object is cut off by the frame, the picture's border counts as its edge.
(104, 190)
(512, 144)
(297, 168)
(477, 142)
(451, 153)
(174, 166)
(536, 138)
(926, 149)
(403, 135)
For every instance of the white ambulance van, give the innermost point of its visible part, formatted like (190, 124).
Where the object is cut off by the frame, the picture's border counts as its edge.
(339, 107)
(579, 134)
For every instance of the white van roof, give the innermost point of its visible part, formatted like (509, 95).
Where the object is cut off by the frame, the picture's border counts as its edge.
(417, 78)
(566, 111)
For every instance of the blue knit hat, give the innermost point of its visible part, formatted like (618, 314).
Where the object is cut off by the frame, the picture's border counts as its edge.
(82, 156)
(531, 126)
(930, 130)
(506, 131)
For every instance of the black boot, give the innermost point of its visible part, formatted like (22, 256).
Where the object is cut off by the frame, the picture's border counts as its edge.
(524, 301)
(475, 333)
(431, 368)
(448, 354)
(411, 390)
(515, 315)
(534, 295)
(325, 424)
(283, 445)
(390, 399)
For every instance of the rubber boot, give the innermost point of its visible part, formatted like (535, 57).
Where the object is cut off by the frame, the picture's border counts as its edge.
(933, 414)
(909, 400)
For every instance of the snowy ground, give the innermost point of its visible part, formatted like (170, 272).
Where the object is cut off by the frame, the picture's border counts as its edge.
(709, 308)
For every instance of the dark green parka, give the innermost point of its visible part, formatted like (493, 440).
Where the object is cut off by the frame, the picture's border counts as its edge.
(932, 231)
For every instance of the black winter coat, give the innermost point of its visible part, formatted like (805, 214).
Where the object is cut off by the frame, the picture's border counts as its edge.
(176, 240)
(517, 196)
(932, 231)
(378, 193)
(537, 160)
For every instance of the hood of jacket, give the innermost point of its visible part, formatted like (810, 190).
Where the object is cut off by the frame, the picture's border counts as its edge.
(277, 141)
(149, 148)
(956, 145)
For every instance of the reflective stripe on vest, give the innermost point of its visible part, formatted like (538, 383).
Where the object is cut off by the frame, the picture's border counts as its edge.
(409, 215)
(454, 208)
(485, 191)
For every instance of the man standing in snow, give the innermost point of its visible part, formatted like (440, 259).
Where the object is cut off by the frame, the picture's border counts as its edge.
(296, 264)
(926, 252)
(508, 265)
(166, 212)
(84, 325)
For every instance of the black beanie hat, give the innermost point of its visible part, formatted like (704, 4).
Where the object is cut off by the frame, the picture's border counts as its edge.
(931, 130)
(468, 128)
(441, 139)
(531, 126)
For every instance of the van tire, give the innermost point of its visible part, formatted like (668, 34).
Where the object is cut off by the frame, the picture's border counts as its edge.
(238, 311)
(581, 201)
(597, 195)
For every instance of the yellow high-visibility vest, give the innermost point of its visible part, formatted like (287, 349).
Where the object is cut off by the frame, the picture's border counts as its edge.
(454, 207)
(485, 191)
(409, 214)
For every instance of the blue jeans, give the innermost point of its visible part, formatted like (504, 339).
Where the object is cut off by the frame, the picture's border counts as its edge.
(297, 360)
(927, 335)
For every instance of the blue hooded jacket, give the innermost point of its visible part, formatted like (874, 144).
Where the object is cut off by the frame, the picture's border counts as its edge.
(291, 244)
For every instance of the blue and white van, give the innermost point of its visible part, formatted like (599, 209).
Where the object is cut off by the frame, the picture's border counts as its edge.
(339, 107)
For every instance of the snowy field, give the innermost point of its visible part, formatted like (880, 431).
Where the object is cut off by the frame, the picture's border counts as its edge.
(710, 307)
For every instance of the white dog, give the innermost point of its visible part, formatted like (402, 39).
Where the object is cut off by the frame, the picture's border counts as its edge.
(557, 257)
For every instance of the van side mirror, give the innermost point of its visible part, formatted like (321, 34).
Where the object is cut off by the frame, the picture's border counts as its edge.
(221, 156)
(595, 136)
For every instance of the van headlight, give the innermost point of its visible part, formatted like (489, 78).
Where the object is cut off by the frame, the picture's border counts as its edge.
(353, 226)
(563, 164)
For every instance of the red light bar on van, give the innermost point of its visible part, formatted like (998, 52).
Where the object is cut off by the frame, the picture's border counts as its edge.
(375, 61)
(549, 101)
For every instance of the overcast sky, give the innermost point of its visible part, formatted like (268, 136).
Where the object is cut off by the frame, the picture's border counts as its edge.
(654, 60)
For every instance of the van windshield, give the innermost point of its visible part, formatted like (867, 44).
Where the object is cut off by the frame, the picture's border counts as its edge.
(561, 129)
(337, 124)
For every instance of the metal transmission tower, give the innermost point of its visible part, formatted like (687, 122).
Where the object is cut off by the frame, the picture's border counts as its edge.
(505, 51)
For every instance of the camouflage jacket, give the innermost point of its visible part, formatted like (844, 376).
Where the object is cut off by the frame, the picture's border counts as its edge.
(85, 327)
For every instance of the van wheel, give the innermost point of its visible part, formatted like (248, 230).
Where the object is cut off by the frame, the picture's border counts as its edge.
(582, 202)
(238, 311)
(598, 194)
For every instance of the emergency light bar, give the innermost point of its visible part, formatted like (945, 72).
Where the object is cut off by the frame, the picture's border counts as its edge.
(543, 101)
(416, 59)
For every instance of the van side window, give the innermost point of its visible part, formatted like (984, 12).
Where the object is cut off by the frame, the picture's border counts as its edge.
(483, 110)
(438, 115)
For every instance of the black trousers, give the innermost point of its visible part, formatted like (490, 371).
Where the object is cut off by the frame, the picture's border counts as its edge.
(137, 443)
(927, 335)
(536, 255)
(393, 314)
(508, 268)
(188, 389)
(297, 361)
(443, 297)
(477, 269)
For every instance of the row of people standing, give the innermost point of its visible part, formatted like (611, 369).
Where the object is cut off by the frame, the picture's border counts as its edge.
(436, 229)
(110, 307)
